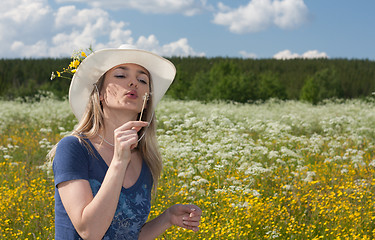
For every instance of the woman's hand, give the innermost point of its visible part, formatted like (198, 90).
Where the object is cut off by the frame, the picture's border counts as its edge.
(186, 216)
(126, 139)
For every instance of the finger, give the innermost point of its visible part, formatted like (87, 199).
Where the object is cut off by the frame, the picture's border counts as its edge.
(189, 208)
(191, 223)
(194, 210)
(128, 144)
(120, 134)
(192, 219)
(136, 125)
(195, 214)
(126, 137)
(193, 228)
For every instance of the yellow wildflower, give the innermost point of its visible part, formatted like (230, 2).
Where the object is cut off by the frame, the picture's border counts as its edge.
(74, 64)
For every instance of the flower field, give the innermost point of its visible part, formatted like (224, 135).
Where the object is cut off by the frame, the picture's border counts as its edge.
(274, 170)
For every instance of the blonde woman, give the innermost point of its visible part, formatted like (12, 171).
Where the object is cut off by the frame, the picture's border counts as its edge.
(106, 170)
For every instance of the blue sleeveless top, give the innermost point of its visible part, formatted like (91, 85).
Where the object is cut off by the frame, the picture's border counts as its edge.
(74, 161)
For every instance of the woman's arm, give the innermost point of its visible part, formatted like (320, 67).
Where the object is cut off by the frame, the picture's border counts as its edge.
(91, 216)
(186, 216)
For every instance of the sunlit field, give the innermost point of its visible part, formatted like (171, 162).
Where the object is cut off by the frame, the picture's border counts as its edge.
(274, 170)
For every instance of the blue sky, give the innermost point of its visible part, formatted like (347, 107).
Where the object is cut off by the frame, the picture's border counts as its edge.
(279, 29)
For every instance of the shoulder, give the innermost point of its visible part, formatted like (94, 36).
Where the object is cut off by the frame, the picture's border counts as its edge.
(69, 141)
(71, 147)
(71, 158)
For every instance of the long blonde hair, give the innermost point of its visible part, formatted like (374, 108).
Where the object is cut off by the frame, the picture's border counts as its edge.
(92, 121)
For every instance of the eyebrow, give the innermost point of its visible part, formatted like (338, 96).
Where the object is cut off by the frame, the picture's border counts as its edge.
(138, 71)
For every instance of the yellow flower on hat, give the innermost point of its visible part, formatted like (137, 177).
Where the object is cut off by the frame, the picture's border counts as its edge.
(74, 64)
(77, 58)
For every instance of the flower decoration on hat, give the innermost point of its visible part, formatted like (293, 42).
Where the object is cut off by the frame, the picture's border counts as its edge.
(77, 58)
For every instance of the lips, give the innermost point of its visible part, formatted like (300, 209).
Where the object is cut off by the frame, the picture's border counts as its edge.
(132, 94)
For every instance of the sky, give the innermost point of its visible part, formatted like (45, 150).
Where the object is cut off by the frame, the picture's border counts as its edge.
(258, 29)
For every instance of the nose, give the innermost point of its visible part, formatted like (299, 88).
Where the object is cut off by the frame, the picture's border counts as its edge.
(132, 84)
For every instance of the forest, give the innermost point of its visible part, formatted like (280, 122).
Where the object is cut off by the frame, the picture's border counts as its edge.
(208, 79)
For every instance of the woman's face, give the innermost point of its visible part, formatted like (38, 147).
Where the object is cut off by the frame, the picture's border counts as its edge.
(125, 86)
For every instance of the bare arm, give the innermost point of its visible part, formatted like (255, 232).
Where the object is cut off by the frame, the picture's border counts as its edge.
(186, 216)
(91, 216)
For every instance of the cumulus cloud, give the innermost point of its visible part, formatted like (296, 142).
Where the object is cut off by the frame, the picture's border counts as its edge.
(68, 16)
(179, 48)
(186, 7)
(38, 49)
(287, 54)
(314, 54)
(24, 11)
(245, 54)
(259, 15)
(87, 27)
(31, 28)
(21, 18)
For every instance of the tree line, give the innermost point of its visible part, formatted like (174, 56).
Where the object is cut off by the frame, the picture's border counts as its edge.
(207, 79)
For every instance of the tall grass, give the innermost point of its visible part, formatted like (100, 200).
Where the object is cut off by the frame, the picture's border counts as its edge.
(276, 170)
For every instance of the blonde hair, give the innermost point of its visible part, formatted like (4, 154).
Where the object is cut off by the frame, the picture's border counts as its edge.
(92, 122)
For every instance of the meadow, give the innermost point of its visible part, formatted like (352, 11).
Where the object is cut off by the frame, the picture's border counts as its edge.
(272, 170)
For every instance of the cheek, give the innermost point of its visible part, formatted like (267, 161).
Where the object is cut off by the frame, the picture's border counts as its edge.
(113, 90)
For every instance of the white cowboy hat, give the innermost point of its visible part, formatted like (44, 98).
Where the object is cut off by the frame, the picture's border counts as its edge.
(99, 62)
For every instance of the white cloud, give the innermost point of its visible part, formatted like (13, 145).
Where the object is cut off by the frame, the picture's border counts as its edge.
(178, 48)
(259, 15)
(245, 54)
(314, 54)
(289, 13)
(43, 32)
(186, 7)
(22, 21)
(287, 54)
(24, 11)
(70, 16)
(150, 43)
(38, 49)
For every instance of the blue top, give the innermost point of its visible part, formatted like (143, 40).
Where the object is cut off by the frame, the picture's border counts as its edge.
(74, 161)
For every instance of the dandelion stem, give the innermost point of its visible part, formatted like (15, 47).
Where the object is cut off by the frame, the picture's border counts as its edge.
(145, 97)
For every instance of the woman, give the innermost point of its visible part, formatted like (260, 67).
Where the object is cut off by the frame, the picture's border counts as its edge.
(105, 170)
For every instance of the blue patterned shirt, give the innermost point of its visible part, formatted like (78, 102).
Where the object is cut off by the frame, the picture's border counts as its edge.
(74, 161)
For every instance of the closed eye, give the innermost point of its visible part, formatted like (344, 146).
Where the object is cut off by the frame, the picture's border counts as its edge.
(120, 76)
(142, 81)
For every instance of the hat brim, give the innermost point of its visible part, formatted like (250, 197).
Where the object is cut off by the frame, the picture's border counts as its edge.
(98, 63)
